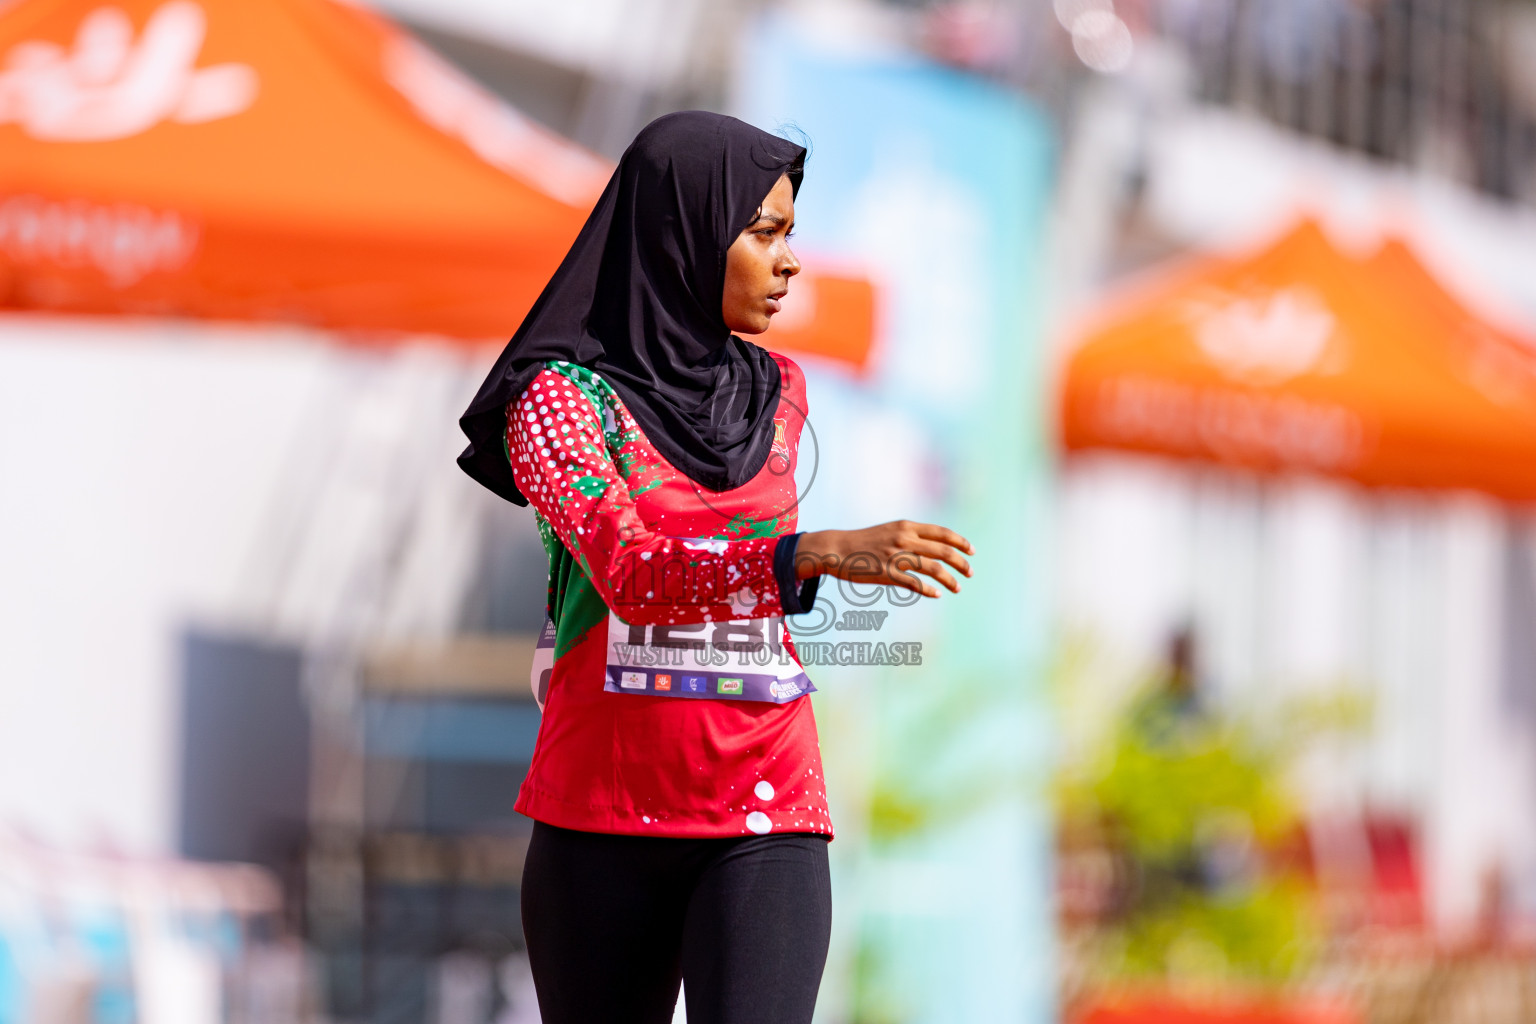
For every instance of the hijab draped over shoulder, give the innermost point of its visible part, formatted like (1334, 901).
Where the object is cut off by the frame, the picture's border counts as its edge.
(637, 299)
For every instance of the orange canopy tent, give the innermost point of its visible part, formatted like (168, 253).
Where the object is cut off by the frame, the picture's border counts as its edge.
(293, 160)
(1302, 358)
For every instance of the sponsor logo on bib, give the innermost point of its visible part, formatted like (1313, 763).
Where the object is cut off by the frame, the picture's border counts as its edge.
(663, 681)
(730, 684)
(632, 680)
(785, 688)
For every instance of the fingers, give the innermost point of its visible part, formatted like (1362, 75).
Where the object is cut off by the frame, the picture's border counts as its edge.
(935, 568)
(907, 562)
(909, 580)
(944, 552)
(916, 584)
(932, 531)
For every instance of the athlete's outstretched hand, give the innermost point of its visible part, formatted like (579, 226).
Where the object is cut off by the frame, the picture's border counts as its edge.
(891, 555)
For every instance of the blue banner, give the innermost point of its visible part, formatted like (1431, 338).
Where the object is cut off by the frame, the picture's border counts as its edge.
(936, 185)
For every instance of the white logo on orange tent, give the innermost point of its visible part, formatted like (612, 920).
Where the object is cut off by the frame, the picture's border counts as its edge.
(1268, 337)
(111, 86)
(125, 241)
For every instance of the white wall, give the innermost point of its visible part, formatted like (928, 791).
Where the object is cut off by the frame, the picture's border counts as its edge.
(146, 469)
(136, 464)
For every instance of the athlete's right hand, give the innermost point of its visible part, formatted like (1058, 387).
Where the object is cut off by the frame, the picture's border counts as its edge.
(890, 555)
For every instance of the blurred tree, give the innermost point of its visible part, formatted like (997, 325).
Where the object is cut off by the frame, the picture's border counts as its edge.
(1189, 804)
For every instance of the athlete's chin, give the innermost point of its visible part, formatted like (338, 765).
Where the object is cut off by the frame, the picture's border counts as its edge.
(754, 324)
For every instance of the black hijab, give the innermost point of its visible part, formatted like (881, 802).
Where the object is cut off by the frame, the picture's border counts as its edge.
(637, 299)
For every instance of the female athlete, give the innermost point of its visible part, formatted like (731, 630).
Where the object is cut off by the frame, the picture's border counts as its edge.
(676, 786)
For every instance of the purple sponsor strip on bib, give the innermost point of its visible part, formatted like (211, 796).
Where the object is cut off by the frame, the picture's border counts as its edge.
(707, 685)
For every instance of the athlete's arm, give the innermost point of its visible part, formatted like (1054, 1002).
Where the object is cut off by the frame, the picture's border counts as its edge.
(561, 463)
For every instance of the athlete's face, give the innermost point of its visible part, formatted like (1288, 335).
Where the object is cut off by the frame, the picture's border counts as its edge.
(759, 264)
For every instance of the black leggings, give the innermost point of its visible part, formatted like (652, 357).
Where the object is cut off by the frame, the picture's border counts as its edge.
(614, 922)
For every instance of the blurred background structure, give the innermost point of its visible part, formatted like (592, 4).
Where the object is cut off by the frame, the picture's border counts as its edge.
(1212, 322)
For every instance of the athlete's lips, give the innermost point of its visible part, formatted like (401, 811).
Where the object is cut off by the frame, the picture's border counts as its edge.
(774, 305)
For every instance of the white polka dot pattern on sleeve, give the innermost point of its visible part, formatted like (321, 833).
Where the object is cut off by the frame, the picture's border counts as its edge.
(573, 481)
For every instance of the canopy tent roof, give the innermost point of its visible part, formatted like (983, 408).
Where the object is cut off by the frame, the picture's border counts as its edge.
(1300, 357)
(294, 160)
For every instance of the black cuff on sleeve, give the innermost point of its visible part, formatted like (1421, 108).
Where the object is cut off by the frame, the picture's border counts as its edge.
(794, 595)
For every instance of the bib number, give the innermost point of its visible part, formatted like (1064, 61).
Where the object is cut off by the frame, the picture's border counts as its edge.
(736, 659)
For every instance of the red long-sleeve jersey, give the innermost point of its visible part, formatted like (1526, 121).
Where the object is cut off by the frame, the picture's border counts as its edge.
(639, 551)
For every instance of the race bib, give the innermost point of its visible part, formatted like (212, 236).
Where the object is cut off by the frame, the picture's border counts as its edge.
(736, 659)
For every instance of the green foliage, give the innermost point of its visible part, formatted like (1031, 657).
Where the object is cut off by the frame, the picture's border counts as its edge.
(1191, 802)
(1162, 775)
(1267, 932)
